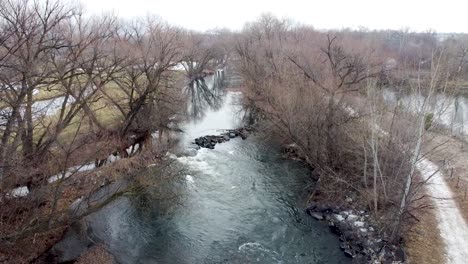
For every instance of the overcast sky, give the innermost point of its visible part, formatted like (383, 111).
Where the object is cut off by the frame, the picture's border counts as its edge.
(418, 15)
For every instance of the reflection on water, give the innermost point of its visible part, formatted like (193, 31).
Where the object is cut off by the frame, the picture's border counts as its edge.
(449, 111)
(205, 93)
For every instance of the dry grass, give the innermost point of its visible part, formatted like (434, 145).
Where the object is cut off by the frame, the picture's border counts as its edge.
(424, 244)
(456, 152)
(28, 249)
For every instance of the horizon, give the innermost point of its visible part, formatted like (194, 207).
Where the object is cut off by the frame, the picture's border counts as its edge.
(417, 16)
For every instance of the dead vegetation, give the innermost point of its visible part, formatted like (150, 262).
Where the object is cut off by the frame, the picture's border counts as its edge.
(128, 84)
(116, 87)
(323, 93)
(423, 243)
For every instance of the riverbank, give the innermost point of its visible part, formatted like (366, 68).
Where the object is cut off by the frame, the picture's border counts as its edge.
(74, 190)
(358, 233)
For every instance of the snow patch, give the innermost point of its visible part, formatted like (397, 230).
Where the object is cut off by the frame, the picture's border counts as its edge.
(113, 158)
(352, 217)
(70, 171)
(19, 192)
(339, 217)
(359, 224)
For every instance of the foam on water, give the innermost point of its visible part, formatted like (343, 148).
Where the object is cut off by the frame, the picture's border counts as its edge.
(189, 178)
(256, 251)
(198, 162)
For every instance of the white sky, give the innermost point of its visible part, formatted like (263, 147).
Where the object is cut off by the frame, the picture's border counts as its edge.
(418, 15)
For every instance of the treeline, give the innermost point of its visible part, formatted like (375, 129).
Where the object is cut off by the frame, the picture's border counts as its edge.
(321, 93)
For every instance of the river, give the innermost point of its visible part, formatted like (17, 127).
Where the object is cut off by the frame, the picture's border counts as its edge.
(450, 112)
(239, 203)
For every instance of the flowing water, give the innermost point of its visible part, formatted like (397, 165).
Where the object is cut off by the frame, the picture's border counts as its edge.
(238, 203)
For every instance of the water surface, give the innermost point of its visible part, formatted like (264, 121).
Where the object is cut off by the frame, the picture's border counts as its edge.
(238, 203)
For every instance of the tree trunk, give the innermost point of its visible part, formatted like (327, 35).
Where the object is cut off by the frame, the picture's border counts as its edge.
(28, 135)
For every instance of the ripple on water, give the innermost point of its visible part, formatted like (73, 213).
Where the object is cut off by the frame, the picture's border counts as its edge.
(253, 251)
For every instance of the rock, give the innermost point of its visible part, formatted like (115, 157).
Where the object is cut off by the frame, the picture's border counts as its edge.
(349, 253)
(226, 137)
(339, 217)
(312, 207)
(232, 135)
(323, 208)
(352, 217)
(358, 239)
(345, 226)
(244, 134)
(336, 209)
(359, 224)
(335, 230)
(388, 255)
(317, 216)
(343, 245)
(350, 236)
(368, 245)
(400, 254)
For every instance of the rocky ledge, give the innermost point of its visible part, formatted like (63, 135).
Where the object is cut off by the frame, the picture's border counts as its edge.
(211, 141)
(359, 240)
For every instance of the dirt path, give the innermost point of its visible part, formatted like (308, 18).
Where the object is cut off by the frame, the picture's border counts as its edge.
(452, 225)
(449, 194)
(451, 155)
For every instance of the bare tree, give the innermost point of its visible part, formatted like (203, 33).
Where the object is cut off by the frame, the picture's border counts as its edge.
(148, 49)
